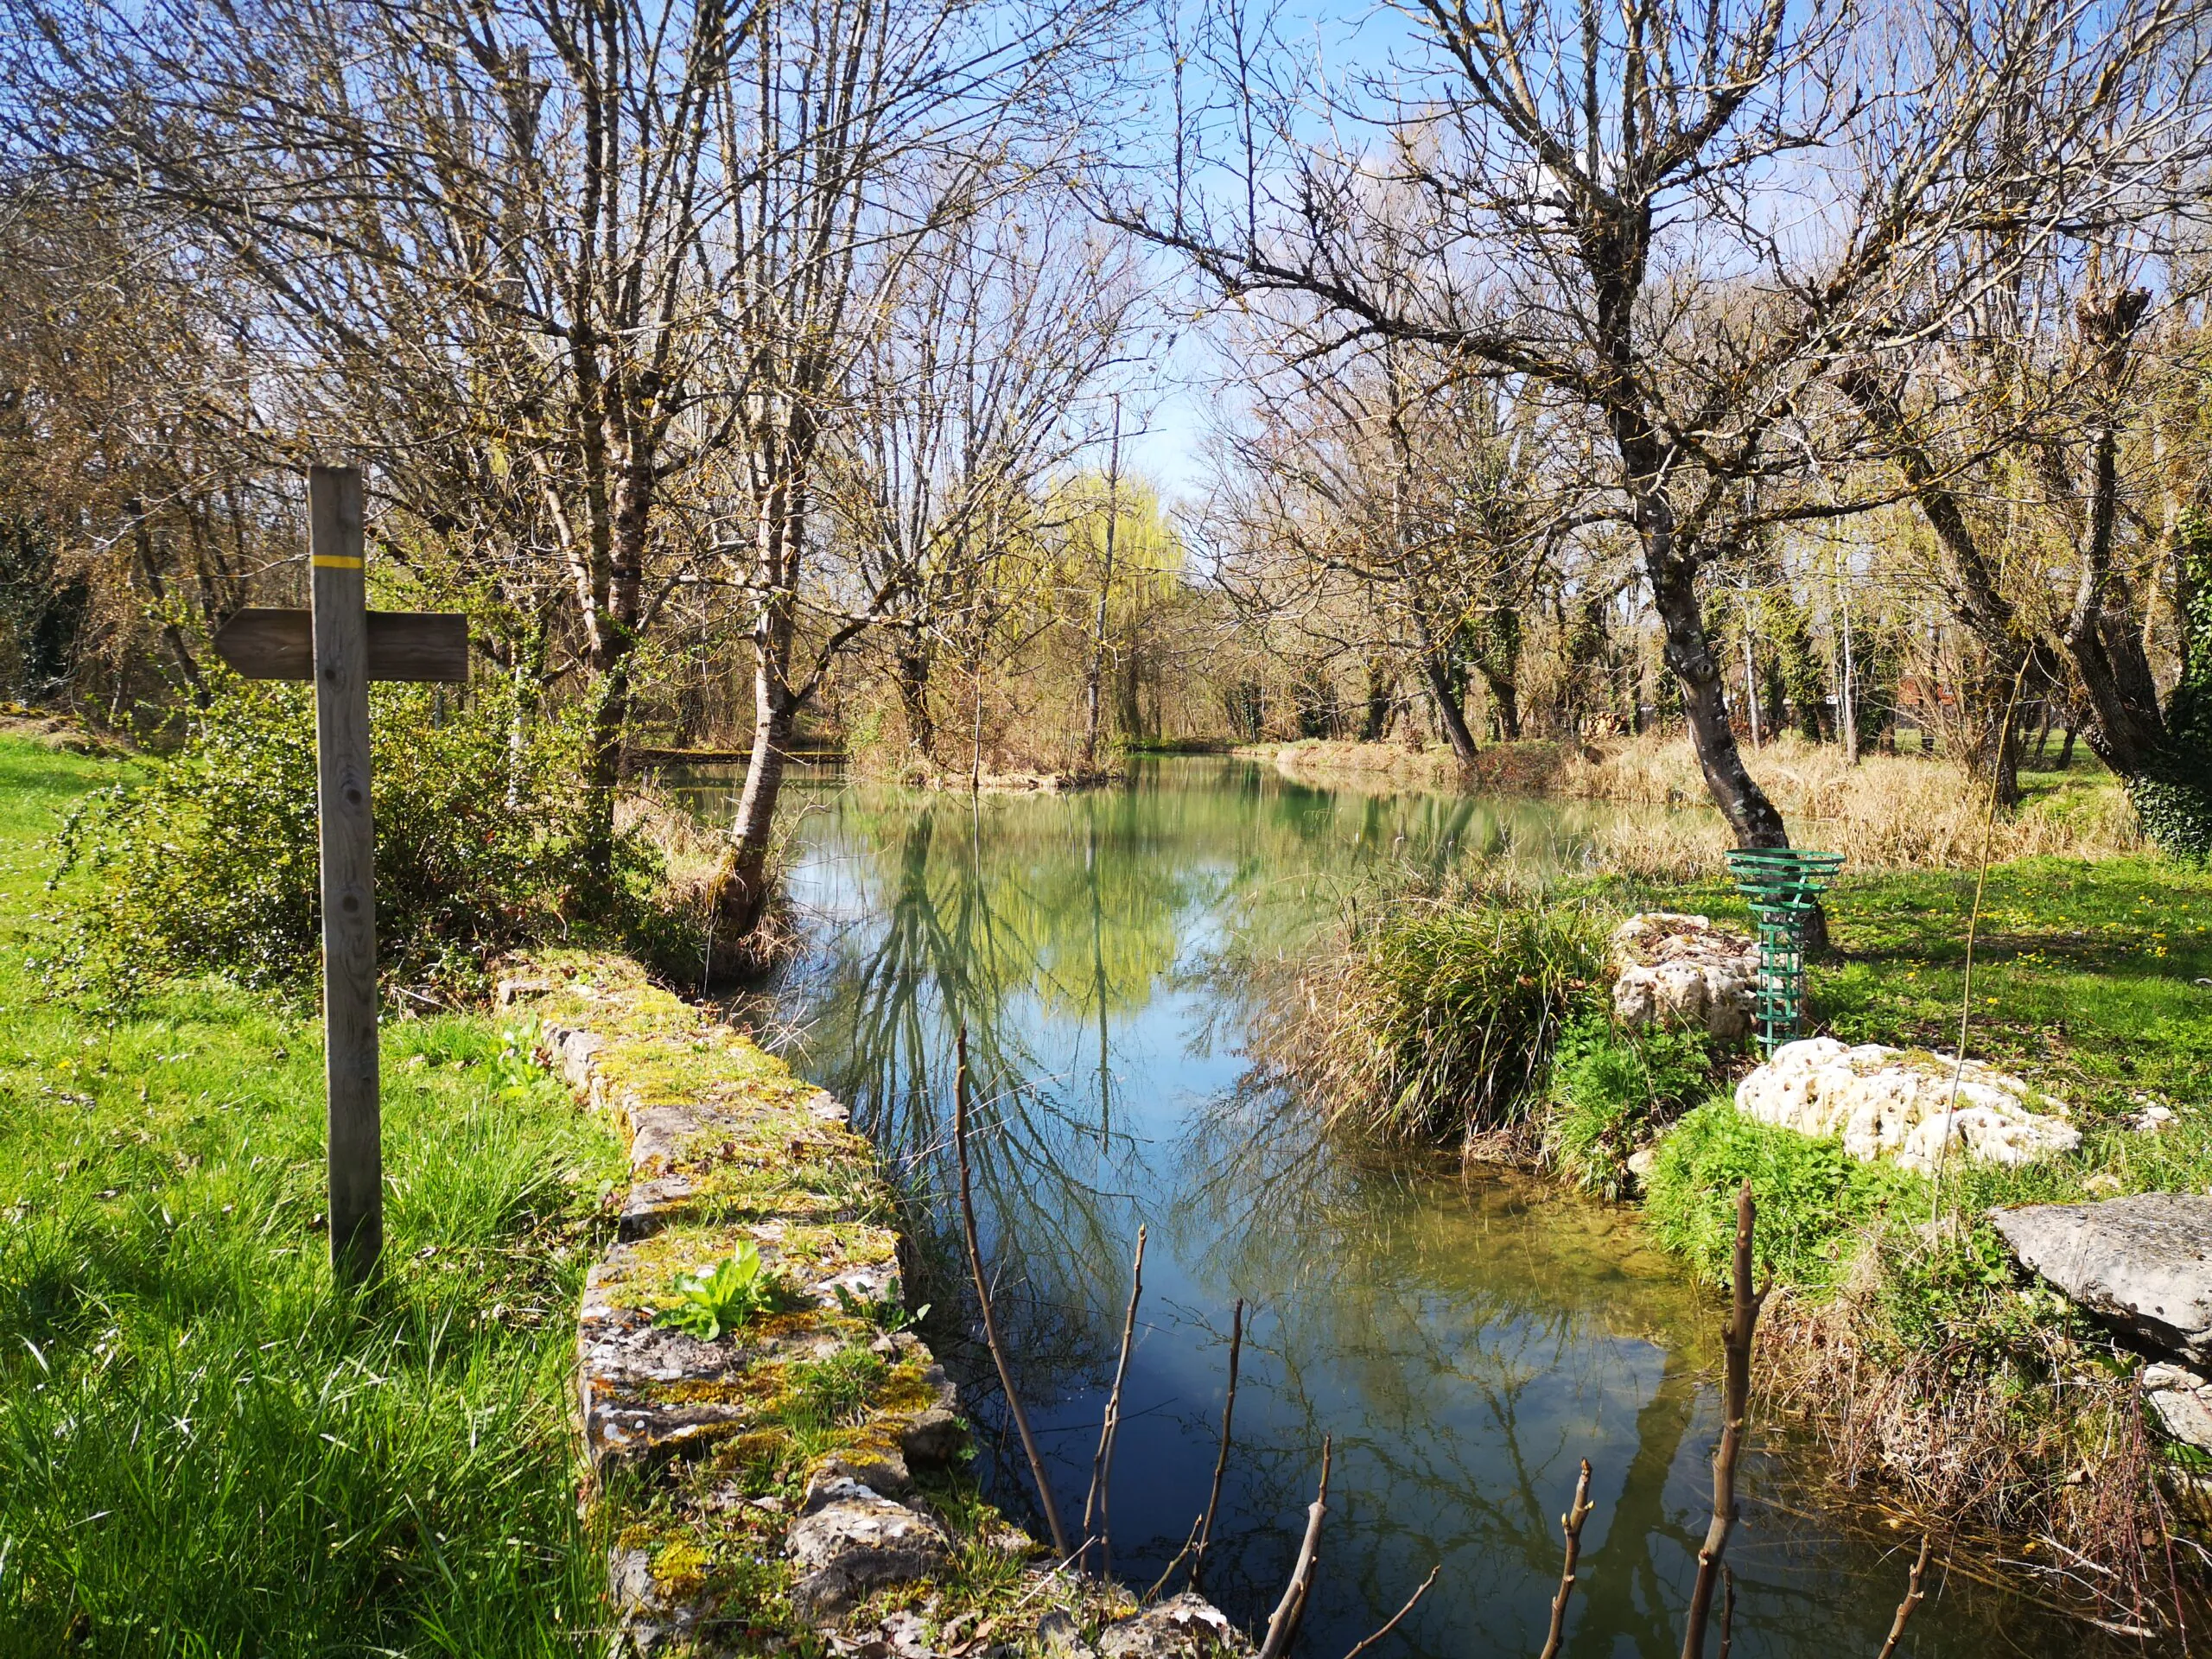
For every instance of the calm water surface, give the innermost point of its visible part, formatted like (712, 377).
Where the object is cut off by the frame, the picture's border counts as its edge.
(1465, 1340)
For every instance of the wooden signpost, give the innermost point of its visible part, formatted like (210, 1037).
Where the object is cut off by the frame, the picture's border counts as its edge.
(341, 645)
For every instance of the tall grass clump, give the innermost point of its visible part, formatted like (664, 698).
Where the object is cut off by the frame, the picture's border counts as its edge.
(1439, 1018)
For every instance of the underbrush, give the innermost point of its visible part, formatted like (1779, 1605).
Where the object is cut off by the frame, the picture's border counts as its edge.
(204, 1446)
(1924, 1361)
(1815, 1200)
(206, 863)
(1612, 1091)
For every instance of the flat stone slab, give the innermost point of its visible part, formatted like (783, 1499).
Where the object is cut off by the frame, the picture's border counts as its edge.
(2144, 1263)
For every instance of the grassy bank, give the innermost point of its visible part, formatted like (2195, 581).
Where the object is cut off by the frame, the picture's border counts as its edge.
(1934, 1370)
(203, 1449)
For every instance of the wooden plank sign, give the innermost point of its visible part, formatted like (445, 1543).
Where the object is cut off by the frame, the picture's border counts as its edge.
(341, 645)
(402, 645)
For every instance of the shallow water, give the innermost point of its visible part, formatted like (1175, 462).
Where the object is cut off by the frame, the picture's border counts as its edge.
(1465, 1340)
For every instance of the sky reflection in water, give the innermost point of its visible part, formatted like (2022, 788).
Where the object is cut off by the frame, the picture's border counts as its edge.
(1465, 1341)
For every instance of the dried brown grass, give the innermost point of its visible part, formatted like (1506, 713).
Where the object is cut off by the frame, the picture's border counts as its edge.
(2046, 1450)
(1888, 812)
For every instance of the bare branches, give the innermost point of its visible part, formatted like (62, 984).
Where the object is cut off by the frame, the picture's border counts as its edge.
(1571, 1524)
(1736, 1395)
(1283, 1625)
(1102, 1463)
(1912, 1595)
(983, 1299)
(1221, 1459)
(1396, 1618)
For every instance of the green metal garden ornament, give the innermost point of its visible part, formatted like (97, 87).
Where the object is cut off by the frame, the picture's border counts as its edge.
(1782, 886)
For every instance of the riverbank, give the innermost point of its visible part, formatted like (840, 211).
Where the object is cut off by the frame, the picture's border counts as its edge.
(793, 1467)
(1889, 811)
(786, 1466)
(1904, 1337)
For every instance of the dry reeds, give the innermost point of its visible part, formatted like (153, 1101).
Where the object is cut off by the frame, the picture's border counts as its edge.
(1966, 1440)
(1887, 812)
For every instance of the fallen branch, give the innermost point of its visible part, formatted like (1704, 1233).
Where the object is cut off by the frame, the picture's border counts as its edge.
(1102, 1462)
(1221, 1461)
(1284, 1623)
(1912, 1593)
(1368, 1642)
(1571, 1524)
(1736, 1394)
(983, 1297)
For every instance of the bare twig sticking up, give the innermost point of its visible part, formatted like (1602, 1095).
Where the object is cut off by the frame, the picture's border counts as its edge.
(1221, 1462)
(983, 1297)
(1102, 1463)
(1571, 1524)
(1912, 1594)
(1367, 1641)
(1727, 1611)
(1736, 1393)
(1283, 1624)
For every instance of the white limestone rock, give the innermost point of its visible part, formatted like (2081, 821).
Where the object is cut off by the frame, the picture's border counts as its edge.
(1890, 1102)
(2181, 1401)
(1676, 970)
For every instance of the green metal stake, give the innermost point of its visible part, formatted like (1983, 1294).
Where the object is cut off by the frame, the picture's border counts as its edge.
(1782, 886)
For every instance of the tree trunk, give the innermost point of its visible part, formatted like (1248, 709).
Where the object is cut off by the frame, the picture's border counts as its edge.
(744, 884)
(1095, 675)
(1382, 691)
(1989, 738)
(1688, 651)
(910, 671)
(171, 634)
(2165, 756)
(1505, 701)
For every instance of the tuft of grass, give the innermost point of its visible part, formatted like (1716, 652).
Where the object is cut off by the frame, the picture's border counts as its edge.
(202, 1442)
(1441, 1019)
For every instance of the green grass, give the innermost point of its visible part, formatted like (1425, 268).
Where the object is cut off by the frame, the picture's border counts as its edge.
(205, 1450)
(2086, 982)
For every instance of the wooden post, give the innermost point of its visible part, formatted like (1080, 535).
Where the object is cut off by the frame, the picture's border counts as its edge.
(348, 843)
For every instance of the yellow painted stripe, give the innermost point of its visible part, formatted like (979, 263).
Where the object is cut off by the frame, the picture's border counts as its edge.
(333, 562)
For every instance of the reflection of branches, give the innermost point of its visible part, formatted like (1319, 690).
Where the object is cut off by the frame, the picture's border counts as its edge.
(984, 1303)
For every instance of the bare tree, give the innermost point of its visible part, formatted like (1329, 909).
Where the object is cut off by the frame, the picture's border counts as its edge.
(1676, 216)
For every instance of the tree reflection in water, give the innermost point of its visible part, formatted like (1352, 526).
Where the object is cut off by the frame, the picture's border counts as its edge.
(1465, 1340)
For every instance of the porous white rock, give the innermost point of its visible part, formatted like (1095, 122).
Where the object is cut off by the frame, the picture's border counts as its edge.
(1676, 970)
(1889, 1103)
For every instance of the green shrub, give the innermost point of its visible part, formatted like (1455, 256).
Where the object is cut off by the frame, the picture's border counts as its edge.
(1610, 1087)
(209, 863)
(1814, 1197)
(1447, 1014)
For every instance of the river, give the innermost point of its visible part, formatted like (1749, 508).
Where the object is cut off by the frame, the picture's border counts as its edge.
(1464, 1338)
